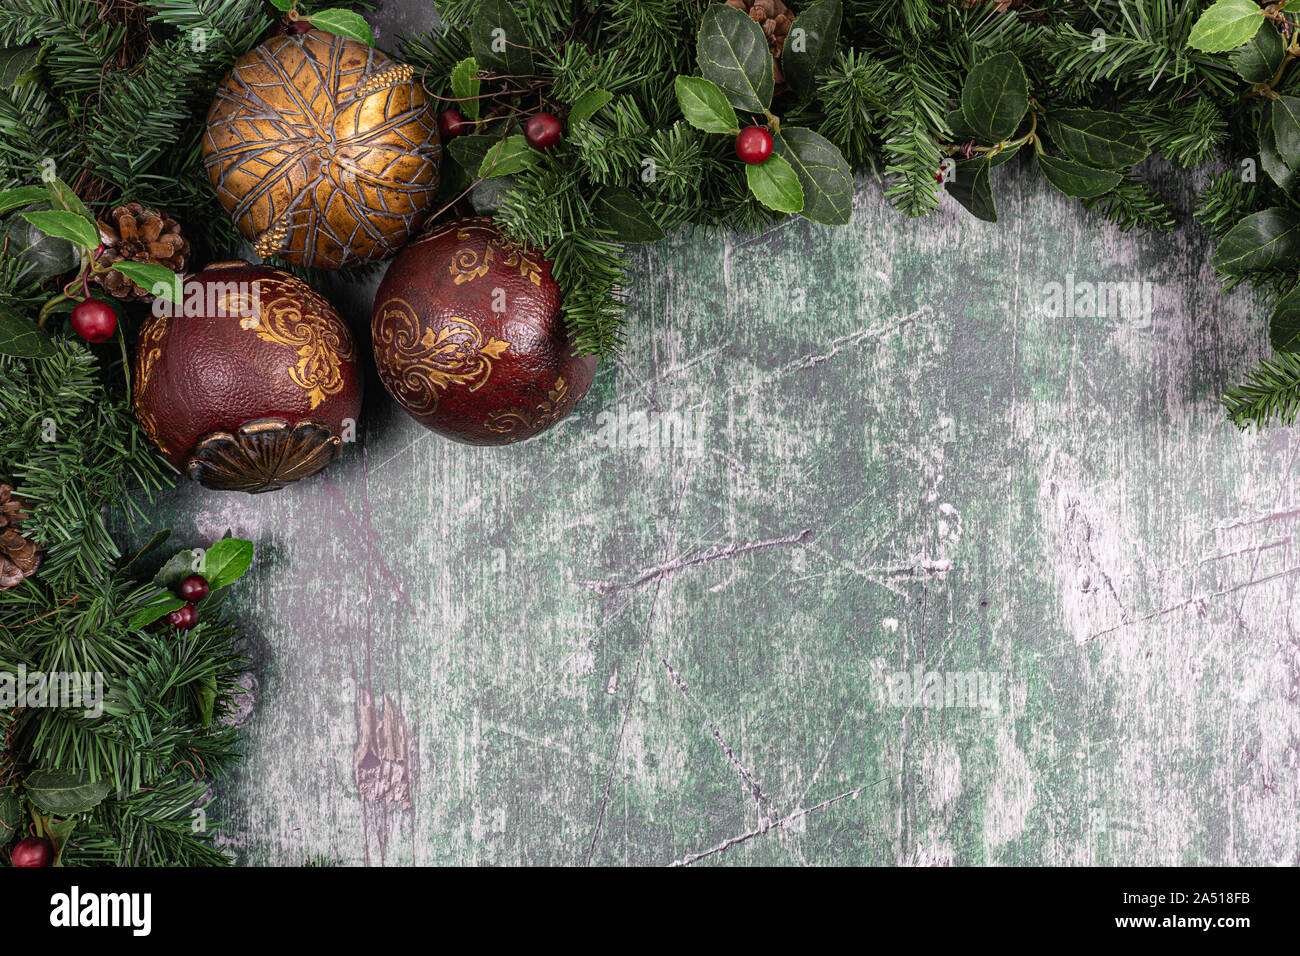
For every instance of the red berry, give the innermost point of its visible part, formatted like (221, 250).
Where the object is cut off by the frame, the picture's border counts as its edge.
(754, 145)
(194, 588)
(94, 321)
(542, 131)
(452, 124)
(286, 27)
(184, 617)
(34, 851)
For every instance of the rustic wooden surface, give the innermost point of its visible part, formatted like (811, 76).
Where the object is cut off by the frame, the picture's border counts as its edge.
(581, 651)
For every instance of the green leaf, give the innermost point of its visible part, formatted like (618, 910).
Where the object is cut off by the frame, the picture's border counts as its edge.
(733, 53)
(127, 560)
(22, 196)
(1260, 241)
(961, 130)
(465, 86)
(62, 197)
(154, 607)
(622, 213)
(1261, 57)
(1226, 25)
(63, 792)
(283, 5)
(810, 44)
(159, 280)
(588, 104)
(1284, 326)
(1075, 179)
(206, 696)
(17, 64)
(10, 814)
(705, 106)
(973, 188)
(226, 562)
(1269, 157)
(177, 568)
(995, 97)
(824, 176)
(345, 23)
(470, 150)
(21, 337)
(1284, 117)
(498, 40)
(65, 225)
(1096, 138)
(775, 183)
(508, 156)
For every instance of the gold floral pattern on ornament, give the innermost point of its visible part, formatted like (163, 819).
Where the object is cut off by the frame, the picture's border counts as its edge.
(322, 342)
(148, 352)
(549, 411)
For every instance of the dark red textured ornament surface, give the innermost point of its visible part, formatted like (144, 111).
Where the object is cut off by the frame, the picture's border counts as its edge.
(253, 386)
(470, 340)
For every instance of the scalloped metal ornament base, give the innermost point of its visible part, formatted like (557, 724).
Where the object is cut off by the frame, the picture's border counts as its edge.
(263, 454)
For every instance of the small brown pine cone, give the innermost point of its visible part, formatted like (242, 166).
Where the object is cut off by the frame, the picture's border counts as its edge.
(136, 233)
(775, 18)
(19, 556)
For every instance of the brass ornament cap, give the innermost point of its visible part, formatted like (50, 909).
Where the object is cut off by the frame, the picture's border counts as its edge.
(469, 337)
(323, 150)
(263, 455)
(248, 344)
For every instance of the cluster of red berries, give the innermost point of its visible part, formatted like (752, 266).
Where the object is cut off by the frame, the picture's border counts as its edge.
(192, 590)
(542, 130)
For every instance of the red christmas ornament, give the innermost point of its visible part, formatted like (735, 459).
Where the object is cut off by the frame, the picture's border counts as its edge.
(183, 618)
(451, 124)
(254, 385)
(93, 320)
(193, 589)
(34, 851)
(754, 145)
(542, 131)
(469, 337)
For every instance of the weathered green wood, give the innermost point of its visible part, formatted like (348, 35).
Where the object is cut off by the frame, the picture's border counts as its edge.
(635, 655)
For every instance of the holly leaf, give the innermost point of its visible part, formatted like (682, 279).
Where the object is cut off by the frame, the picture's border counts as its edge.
(973, 188)
(1096, 138)
(469, 151)
(1269, 157)
(810, 44)
(62, 793)
(1259, 59)
(156, 606)
(18, 64)
(705, 106)
(733, 53)
(824, 176)
(1077, 180)
(62, 197)
(588, 104)
(345, 23)
(20, 337)
(995, 97)
(159, 280)
(1260, 241)
(22, 196)
(465, 86)
(10, 813)
(226, 562)
(960, 129)
(775, 184)
(176, 569)
(1284, 119)
(1225, 26)
(1284, 325)
(498, 40)
(508, 156)
(65, 225)
(622, 213)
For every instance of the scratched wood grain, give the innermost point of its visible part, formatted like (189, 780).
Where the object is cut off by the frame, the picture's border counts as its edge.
(579, 650)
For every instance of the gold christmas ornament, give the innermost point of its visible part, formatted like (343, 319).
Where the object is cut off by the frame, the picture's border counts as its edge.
(323, 150)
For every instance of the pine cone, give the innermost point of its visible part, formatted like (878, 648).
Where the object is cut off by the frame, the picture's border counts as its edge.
(141, 235)
(19, 556)
(775, 19)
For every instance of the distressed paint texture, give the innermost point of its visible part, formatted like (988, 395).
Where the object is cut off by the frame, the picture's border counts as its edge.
(564, 652)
